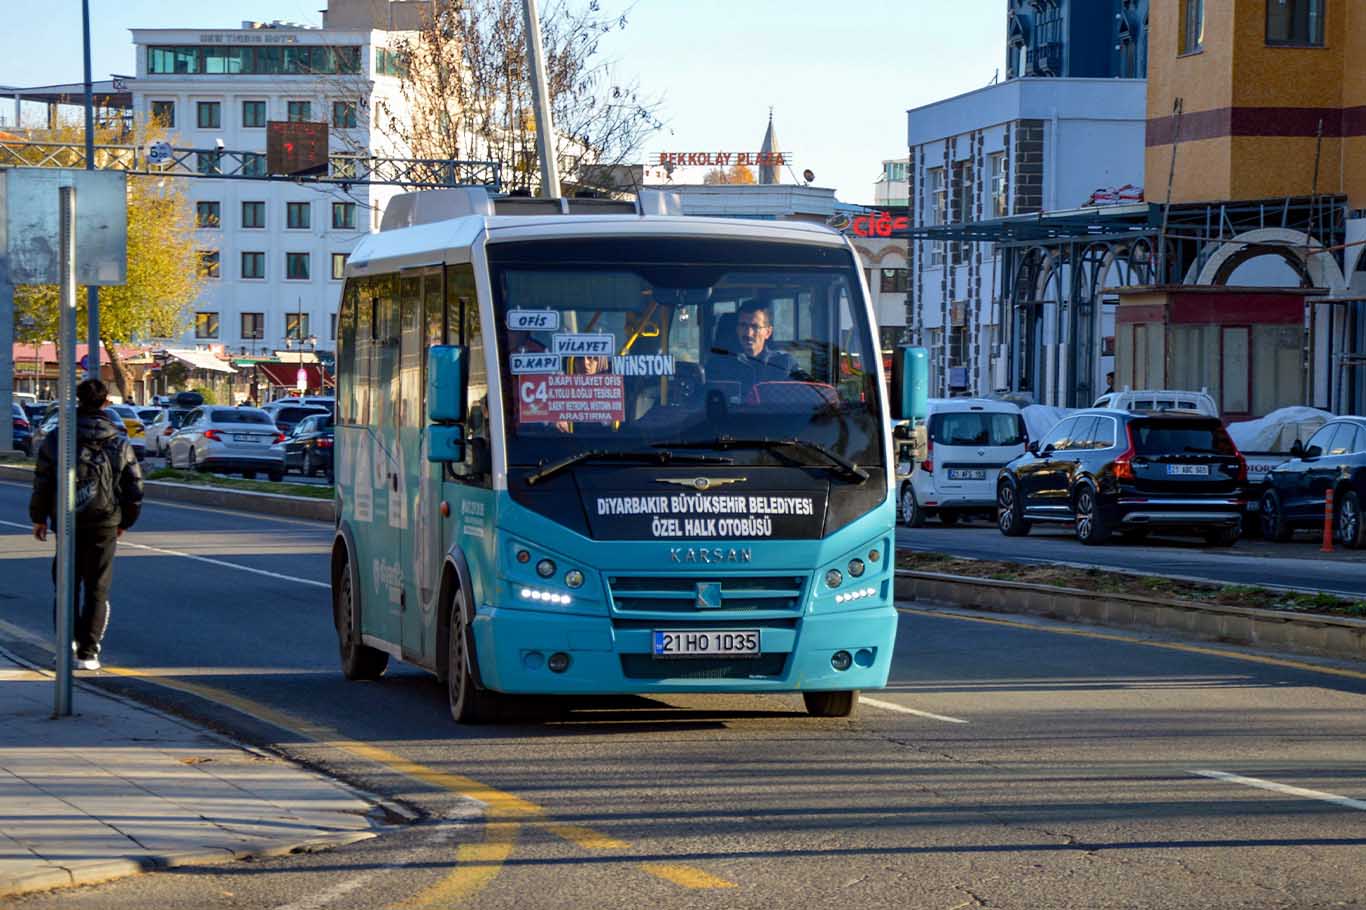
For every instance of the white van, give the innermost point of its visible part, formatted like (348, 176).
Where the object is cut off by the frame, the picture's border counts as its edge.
(969, 440)
(1159, 400)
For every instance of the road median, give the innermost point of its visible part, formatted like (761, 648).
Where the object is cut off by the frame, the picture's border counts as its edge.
(214, 496)
(1317, 634)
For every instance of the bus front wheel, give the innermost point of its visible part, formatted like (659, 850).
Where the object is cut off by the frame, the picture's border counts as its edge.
(358, 660)
(830, 704)
(469, 703)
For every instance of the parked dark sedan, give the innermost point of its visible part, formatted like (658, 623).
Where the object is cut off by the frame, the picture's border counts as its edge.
(23, 430)
(308, 448)
(287, 417)
(1333, 459)
(1108, 471)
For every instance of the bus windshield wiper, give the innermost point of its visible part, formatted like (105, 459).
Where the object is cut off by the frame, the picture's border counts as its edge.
(654, 456)
(842, 466)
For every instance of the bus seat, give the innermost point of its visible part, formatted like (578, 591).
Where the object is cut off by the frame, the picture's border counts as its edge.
(724, 340)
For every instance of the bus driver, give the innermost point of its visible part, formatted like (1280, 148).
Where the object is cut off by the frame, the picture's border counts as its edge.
(754, 361)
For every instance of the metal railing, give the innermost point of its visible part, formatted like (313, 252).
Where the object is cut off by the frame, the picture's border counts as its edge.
(216, 163)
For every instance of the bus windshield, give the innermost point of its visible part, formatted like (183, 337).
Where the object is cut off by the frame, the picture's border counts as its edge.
(612, 346)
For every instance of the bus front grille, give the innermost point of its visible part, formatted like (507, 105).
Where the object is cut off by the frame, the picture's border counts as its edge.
(646, 666)
(683, 594)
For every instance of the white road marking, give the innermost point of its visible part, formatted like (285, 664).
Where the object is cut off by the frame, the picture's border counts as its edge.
(1284, 788)
(328, 895)
(902, 709)
(207, 559)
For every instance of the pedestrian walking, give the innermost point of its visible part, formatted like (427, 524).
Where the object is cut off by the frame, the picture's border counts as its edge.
(108, 500)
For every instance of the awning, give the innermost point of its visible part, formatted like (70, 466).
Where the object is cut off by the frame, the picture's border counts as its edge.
(286, 375)
(200, 360)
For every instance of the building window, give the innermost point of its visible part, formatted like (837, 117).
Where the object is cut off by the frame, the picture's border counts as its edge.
(210, 115)
(300, 111)
(344, 114)
(1000, 201)
(958, 346)
(1294, 22)
(253, 326)
(206, 325)
(208, 162)
(296, 266)
(296, 326)
(163, 112)
(207, 214)
(339, 265)
(894, 281)
(1192, 26)
(344, 216)
(964, 194)
(253, 114)
(298, 215)
(253, 214)
(388, 63)
(253, 164)
(208, 263)
(253, 265)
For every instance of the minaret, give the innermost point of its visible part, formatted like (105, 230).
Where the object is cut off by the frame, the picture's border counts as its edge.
(768, 173)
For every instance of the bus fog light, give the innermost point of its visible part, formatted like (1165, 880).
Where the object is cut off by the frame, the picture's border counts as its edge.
(840, 660)
(874, 555)
(533, 660)
(856, 567)
(545, 568)
(864, 657)
(833, 578)
(559, 662)
(574, 578)
(523, 556)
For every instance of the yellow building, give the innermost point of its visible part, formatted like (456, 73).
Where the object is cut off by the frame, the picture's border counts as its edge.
(1260, 82)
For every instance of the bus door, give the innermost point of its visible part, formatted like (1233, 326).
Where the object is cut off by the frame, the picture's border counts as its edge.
(375, 465)
(415, 472)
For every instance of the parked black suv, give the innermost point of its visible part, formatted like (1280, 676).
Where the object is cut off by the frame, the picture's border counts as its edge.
(1109, 470)
(1333, 459)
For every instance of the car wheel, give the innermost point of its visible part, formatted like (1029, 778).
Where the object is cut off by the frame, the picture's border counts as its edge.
(469, 703)
(1274, 525)
(308, 469)
(190, 463)
(358, 660)
(1223, 537)
(1010, 512)
(948, 517)
(1351, 529)
(1091, 526)
(831, 704)
(276, 476)
(911, 515)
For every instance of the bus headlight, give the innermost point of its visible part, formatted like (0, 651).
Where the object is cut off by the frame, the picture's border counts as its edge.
(834, 578)
(573, 578)
(856, 567)
(545, 568)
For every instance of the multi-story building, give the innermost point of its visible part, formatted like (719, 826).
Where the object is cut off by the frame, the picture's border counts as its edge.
(893, 187)
(1077, 38)
(273, 251)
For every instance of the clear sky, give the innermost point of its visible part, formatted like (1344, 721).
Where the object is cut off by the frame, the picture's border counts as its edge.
(839, 75)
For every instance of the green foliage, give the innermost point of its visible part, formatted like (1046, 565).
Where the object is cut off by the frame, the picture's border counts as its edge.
(312, 491)
(208, 393)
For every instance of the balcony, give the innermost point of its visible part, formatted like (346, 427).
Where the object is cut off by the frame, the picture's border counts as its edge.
(1046, 59)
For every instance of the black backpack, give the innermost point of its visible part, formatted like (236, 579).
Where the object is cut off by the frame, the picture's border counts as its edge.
(96, 497)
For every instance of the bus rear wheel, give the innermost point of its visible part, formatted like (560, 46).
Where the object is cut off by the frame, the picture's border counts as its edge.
(469, 703)
(358, 661)
(831, 704)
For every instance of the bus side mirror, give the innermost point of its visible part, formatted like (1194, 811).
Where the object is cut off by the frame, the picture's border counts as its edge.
(446, 443)
(910, 384)
(447, 383)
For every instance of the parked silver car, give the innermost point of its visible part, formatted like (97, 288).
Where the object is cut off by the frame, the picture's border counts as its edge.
(162, 427)
(229, 441)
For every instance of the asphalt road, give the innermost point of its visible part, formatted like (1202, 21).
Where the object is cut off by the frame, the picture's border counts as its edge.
(1008, 765)
(1297, 565)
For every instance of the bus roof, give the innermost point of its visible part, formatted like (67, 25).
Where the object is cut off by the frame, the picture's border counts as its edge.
(450, 240)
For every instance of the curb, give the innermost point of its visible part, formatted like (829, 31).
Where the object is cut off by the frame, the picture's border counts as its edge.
(305, 507)
(107, 870)
(1337, 637)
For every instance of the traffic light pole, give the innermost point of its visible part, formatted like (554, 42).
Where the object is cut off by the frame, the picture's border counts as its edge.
(92, 293)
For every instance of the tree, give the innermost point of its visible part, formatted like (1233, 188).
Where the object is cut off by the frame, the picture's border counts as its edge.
(738, 174)
(466, 84)
(164, 274)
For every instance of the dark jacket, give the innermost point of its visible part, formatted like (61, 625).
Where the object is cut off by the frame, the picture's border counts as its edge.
(91, 429)
(769, 366)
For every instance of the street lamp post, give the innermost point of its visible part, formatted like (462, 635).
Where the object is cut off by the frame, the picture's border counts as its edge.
(92, 293)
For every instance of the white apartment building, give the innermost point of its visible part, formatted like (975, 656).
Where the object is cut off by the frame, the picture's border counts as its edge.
(273, 250)
(893, 187)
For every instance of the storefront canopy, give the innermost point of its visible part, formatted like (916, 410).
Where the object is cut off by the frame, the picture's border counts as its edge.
(285, 375)
(201, 360)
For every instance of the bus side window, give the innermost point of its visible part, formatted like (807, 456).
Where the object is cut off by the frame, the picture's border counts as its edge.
(463, 326)
(346, 352)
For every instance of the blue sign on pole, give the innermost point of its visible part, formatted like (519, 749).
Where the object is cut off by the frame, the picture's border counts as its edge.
(84, 362)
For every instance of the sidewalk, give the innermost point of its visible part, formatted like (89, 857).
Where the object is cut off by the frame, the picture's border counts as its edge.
(119, 789)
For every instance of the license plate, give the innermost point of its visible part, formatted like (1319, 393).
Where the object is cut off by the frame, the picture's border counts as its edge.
(243, 437)
(966, 474)
(706, 642)
(1188, 470)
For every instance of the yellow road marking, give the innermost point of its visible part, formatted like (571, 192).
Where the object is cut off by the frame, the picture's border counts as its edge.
(686, 876)
(586, 838)
(476, 865)
(1168, 645)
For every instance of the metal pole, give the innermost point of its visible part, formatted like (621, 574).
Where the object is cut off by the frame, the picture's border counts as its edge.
(540, 96)
(66, 453)
(6, 330)
(1178, 108)
(92, 293)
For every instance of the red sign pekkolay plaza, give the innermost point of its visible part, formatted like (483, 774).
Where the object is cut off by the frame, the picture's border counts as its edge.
(722, 159)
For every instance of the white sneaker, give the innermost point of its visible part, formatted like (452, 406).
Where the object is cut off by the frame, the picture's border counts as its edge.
(87, 663)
